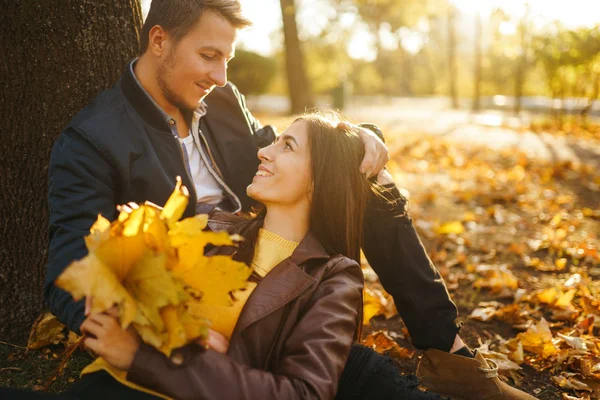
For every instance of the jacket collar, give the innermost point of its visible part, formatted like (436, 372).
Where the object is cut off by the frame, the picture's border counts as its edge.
(309, 248)
(144, 104)
(287, 281)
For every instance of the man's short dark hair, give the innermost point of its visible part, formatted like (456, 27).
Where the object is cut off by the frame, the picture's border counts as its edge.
(179, 16)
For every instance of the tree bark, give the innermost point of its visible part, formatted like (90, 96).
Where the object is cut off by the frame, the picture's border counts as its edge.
(298, 84)
(452, 57)
(57, 56)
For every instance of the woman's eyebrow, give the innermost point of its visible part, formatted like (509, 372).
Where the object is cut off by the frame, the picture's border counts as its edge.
(289, 137)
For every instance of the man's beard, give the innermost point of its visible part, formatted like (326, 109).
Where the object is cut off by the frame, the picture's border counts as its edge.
(169, 94)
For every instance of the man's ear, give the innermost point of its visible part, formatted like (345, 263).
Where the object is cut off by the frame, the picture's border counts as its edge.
(158, 41)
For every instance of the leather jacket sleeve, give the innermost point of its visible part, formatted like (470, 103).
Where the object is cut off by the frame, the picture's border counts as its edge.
(309, 367)
(80, 186)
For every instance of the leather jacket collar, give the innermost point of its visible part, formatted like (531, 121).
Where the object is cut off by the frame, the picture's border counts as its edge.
(284, 283)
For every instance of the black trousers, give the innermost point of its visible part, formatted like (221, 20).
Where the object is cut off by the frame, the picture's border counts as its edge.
(368, 375)
(97, 386)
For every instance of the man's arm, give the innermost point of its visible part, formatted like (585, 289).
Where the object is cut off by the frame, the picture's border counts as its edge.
(395, 252)
(81, 186)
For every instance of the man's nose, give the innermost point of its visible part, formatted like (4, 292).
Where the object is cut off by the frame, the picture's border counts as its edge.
(219, 75)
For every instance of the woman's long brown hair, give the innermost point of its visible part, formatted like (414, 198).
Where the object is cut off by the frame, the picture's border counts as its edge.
(340, 190)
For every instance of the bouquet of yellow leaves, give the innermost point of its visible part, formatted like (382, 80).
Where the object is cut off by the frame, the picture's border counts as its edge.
(153, 268)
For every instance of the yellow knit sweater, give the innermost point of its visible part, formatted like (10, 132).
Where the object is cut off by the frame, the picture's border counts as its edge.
(271, 249)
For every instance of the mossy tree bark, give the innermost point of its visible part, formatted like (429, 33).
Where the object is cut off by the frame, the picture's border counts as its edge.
(57, 55)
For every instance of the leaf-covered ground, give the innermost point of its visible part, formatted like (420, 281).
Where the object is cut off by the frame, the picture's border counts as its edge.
(517, 240)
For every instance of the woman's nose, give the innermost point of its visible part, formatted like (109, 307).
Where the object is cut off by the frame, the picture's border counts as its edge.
(264, 153)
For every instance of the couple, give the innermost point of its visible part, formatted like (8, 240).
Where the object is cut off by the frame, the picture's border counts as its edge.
(173, 114)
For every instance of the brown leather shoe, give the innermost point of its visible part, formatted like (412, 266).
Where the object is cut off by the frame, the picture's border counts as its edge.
(465, 378)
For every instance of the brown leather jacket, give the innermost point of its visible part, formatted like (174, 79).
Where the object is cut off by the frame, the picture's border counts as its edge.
(291, 341)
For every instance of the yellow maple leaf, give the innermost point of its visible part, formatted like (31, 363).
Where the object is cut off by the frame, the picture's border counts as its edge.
(375, 303)
(496, 278)
(153, 288)
(371, 308)
(176, 204)
(564, 301)
(153, 267)
(215, 278)
(189, 237)
(91, 277)
(549, 295)
(46, 330)
(99, 232)
(195, 326)
(538, 339)
(121, 253)
(156, 231)
(450, 227)
(176, 336)
(383, 343)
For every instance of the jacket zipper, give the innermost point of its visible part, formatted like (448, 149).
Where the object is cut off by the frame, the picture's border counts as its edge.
(212, 160)
(216, 174)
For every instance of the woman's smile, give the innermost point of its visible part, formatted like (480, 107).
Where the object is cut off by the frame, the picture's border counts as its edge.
(263, 172)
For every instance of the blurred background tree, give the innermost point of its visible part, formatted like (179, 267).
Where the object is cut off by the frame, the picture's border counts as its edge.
(251, 72)
(298, 83)
(464, 51)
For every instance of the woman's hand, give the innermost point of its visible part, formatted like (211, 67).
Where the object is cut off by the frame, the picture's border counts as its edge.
(215, 341)
(108, 340)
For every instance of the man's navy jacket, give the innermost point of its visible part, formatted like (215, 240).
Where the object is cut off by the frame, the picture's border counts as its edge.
(120, 149)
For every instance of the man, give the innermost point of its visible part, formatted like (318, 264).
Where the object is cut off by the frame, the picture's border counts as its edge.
(159, 122)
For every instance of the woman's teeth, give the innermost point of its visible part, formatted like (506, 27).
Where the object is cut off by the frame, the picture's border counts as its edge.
(263, 173)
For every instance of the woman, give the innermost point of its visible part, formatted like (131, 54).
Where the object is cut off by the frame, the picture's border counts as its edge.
(292, 333)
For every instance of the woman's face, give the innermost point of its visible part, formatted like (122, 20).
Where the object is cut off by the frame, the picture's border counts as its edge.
(284, 174)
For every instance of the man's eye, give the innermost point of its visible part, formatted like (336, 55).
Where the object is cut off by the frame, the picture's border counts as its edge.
(207, 57)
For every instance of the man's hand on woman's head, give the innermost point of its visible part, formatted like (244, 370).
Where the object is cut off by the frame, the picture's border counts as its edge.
(384, 178)
(376, 152)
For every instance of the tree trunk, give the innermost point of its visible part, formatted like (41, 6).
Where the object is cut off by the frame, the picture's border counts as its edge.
(298, 84)
(477, 77)
(591, 98)
(57, 56)
(521, 65)
(452, 56)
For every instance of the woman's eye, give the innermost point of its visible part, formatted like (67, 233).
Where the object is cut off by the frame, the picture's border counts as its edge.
(287, 146)
(207, 57)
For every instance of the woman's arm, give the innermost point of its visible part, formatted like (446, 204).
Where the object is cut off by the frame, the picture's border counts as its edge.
(312, 361)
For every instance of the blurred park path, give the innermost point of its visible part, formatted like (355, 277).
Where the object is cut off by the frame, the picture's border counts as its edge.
(492, 128)
(406, 118)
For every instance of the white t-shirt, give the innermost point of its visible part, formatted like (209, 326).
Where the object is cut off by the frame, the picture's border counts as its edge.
(207, 188)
